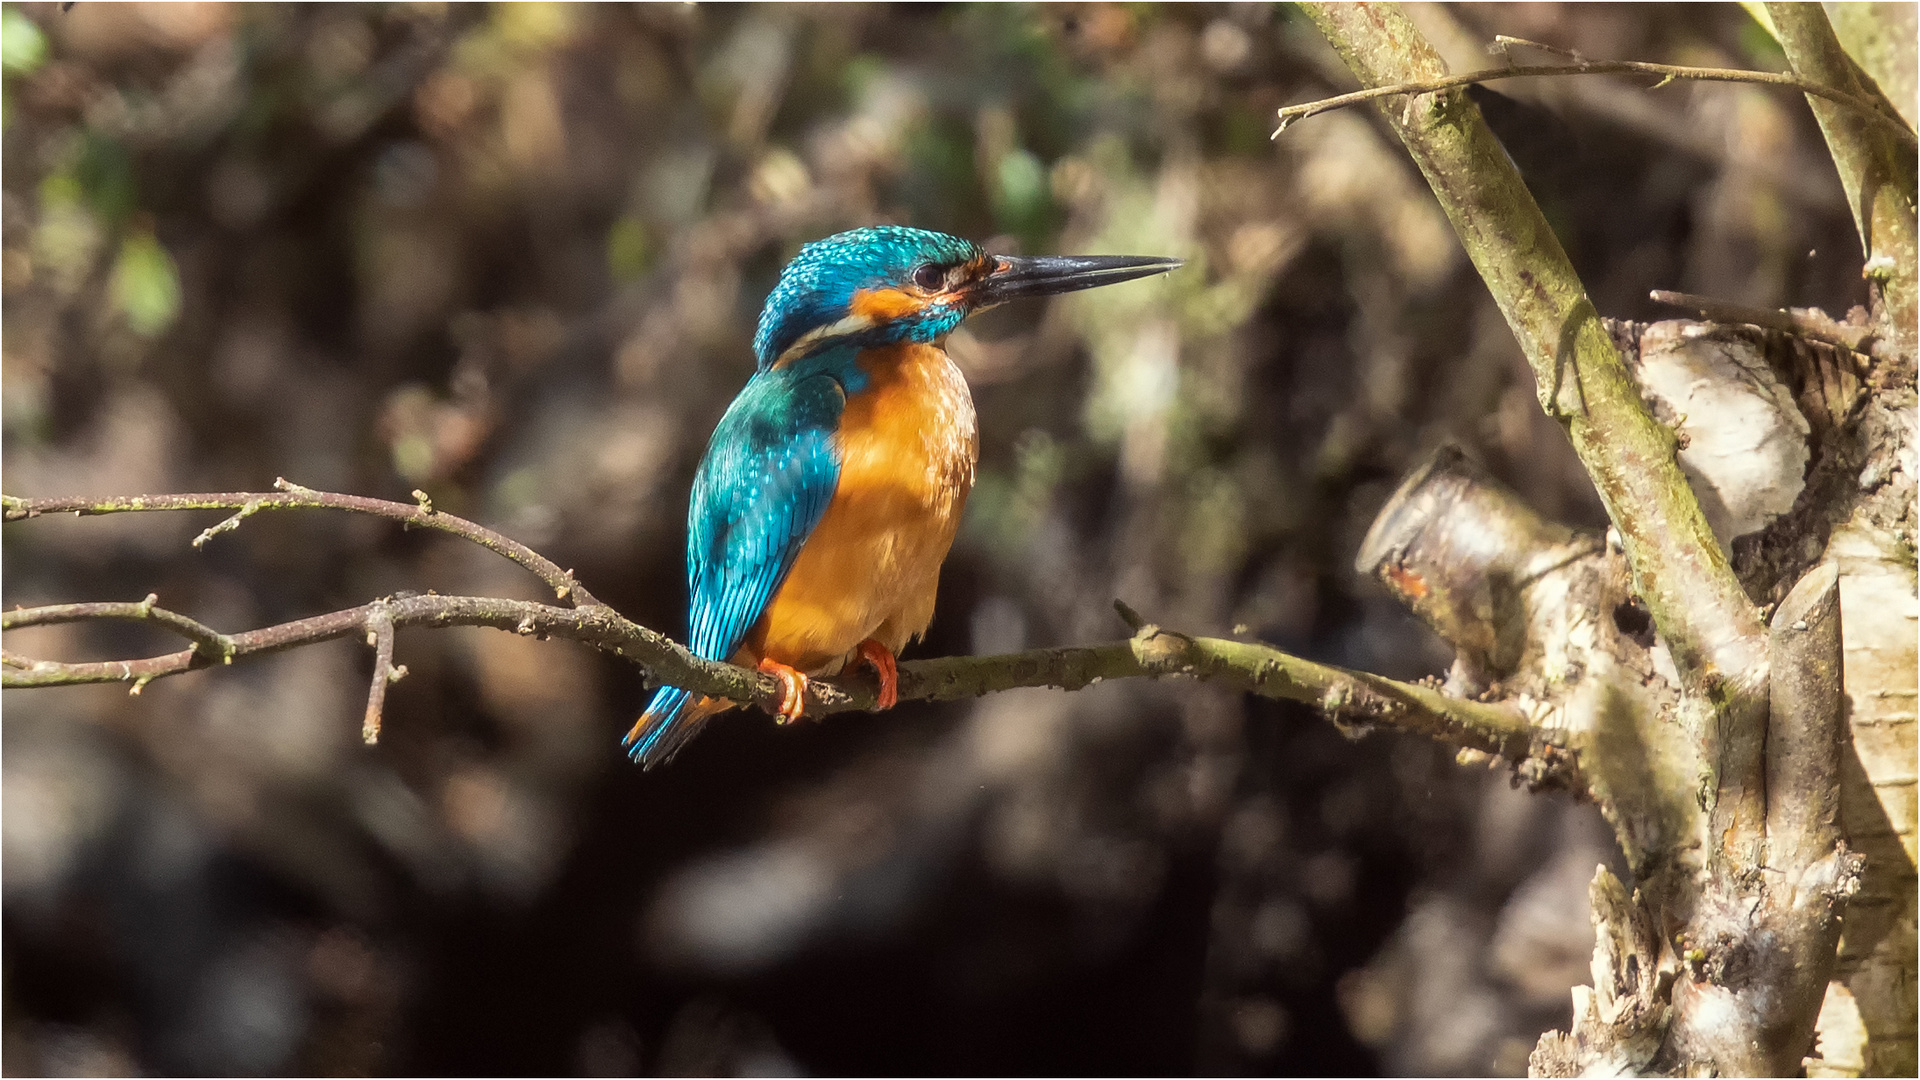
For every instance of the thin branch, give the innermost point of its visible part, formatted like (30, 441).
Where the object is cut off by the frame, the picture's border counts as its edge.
(252, 507)
(1865, 107)
(207, 641)
(380, 636)
(291, 496)
(1358, 698)
(1800, 322)
(1344, 695)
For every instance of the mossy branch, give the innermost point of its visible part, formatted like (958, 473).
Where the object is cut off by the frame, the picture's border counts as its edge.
(1760, 1021)
(1679, 568)
(1877, 169)
(1348, 697)
(1861, 106)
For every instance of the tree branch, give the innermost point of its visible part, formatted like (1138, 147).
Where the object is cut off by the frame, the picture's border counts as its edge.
(1877, 171)
(1357, 697)
(1678, 567)
(208, 643)
(1807, 724)
(1859, 104)
(380, 636)
(291, 496)
(1810, 323)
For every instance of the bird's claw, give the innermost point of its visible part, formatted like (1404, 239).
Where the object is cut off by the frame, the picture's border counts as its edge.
(881, 659)
(793, 698)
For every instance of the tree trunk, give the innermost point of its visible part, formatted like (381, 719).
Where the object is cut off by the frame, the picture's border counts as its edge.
(1757, 776)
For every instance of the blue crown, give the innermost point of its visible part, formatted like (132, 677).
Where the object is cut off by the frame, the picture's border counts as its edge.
(816, 289)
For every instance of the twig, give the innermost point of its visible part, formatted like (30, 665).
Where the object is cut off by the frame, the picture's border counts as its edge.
(380, 636)
(1355, 696)
(1817, 326)
(207, 641)
(228, 525)
(1668, 72)
(291, 496)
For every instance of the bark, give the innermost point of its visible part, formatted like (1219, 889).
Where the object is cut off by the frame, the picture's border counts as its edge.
(1581, 378)
(1873, 1001)
(1869, 1022)
(1880, 37)
(1878, 173)
(1720, 765)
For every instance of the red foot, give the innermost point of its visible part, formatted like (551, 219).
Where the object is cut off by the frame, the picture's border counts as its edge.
(793, 702)
(881, 658)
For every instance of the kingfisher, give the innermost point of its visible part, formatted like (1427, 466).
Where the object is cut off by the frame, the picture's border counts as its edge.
(831, 488)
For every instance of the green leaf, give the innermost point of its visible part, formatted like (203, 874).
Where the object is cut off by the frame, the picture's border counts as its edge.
(23, 46)
(104, 169)
(146, 285)
(1022, 187)
(627, 249)
(1758, 10)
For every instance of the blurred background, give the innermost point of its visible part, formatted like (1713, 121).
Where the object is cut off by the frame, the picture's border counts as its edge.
(512, 255)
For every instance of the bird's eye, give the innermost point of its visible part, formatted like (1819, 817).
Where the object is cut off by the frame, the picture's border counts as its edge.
(930, 277)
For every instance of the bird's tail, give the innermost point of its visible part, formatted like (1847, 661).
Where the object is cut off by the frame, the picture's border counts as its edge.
(673, 718)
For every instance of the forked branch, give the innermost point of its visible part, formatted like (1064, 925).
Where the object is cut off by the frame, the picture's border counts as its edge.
(1864, 107)
(1355, 698)
(291, 496)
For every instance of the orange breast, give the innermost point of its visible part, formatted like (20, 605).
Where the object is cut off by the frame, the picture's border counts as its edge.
(908, 443)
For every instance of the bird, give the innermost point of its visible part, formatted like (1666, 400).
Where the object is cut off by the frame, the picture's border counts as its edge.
(831, 488)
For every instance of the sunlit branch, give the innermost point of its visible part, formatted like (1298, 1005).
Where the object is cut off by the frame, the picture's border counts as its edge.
(1353, 698)
(291, 496)
(1864, 107)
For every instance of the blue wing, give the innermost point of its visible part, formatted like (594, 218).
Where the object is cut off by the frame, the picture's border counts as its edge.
(765, 482)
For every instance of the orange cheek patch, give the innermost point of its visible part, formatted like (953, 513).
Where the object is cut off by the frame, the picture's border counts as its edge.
(883, 305)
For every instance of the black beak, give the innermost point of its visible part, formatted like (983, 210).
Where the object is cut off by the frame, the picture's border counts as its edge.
(1044, 275)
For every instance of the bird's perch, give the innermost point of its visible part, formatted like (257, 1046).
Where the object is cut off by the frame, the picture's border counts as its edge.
(1353, 697)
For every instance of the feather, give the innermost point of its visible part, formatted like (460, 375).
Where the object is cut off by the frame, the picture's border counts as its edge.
(765, 481)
